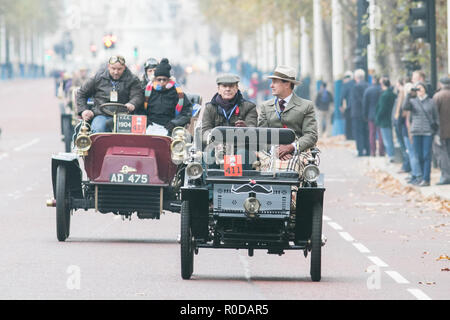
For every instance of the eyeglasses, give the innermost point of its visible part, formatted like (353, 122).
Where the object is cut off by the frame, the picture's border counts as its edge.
(162, 79)
(115, 59)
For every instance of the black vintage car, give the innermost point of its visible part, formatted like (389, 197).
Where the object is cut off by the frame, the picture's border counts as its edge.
(225, 206)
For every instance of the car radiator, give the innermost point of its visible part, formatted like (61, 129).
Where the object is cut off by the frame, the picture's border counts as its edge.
(145, 201)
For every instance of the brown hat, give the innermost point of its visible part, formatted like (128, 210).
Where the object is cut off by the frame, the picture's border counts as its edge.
(285, 73)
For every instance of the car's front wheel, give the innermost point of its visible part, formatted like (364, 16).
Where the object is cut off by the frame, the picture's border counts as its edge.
(62, 205)
(187, 248)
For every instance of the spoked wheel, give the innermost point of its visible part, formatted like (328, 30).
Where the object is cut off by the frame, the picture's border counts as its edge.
(187, 247)
(316, 243)
(62, 205)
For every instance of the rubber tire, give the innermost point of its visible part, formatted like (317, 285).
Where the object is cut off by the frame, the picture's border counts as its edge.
(62, 206)
(68, 133)
(316, 243)
(187, 250)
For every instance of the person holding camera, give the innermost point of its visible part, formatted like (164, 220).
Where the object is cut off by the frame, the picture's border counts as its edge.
(424, 125)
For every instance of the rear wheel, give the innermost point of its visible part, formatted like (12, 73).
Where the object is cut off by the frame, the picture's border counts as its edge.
(62, 205)
(187, 248)
(316, 243)
(68, 131)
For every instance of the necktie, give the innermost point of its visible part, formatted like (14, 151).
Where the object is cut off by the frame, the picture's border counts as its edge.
(282, 105)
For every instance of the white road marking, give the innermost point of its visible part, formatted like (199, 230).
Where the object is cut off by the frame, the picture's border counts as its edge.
(419, 294)
(27, 145)
(3, 156)
(347, 236)
(397, 277)
(326, 218)
(335, 226)
(378, 261)
(246, 267)
(362, 248)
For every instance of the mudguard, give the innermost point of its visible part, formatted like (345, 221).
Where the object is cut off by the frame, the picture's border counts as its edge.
(306, 199)
(199, 209)
(70, 160)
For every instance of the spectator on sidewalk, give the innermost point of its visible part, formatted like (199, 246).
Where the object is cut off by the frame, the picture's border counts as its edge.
(370, 101)
(419, 76)
(323, 100)
(424, 117)
(384, 114)
(345, 106)
(398, 120)
(442, 100)
(416, 171)
(359, 124)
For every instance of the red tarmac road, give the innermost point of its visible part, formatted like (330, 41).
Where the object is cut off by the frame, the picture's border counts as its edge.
(379, 247)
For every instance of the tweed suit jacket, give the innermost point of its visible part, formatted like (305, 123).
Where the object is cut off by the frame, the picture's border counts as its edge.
(299, 116)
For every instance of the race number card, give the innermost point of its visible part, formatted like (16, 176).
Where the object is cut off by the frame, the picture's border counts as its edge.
(139, 124)
(233, 166)
(131, 124)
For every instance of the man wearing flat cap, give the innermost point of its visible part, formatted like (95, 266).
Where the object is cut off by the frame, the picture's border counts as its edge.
(287, 110)
(228, 108)
(442, 141)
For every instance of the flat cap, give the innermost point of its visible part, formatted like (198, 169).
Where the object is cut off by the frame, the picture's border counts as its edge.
(228, 78)
(445, 81)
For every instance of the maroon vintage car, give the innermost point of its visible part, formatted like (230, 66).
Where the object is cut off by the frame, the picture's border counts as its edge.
(124, 173)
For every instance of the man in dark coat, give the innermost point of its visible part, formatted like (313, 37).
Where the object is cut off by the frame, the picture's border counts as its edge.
(228, 108)
(113, 84)
(359, 124)
(370, 101)
(165, 103)
(345, 107)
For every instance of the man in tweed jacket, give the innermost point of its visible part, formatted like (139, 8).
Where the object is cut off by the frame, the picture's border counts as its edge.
(287, 110)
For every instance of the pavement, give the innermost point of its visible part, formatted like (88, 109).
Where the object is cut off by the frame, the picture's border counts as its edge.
(393, 169)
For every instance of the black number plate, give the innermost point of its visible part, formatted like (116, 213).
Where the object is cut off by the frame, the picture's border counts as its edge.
(129, 178)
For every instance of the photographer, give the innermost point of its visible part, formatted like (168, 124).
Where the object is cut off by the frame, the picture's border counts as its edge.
(424, 125)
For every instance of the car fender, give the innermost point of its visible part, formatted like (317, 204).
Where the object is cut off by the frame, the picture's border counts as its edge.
(70, 160)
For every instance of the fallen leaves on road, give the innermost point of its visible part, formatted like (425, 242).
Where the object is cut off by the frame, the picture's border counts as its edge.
(333, 142)
(443, 257)
(389, 184)
(427, 282)
(445, 269)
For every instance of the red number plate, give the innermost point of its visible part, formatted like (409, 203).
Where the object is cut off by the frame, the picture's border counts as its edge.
(233, 166)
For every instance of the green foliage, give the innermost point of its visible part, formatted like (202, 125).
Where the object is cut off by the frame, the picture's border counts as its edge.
(38, 16)
(245, 17)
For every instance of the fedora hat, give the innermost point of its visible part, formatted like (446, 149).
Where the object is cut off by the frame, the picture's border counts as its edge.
(285, 73)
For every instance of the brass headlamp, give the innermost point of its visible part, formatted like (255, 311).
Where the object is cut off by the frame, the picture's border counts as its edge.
(83, 142)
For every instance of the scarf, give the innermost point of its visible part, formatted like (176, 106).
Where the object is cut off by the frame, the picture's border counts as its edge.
(228, 107)
(156, 86)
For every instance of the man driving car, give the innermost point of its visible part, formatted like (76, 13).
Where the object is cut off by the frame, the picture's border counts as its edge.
(113, 84)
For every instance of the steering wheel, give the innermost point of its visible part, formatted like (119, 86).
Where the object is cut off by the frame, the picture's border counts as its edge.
(113, 108)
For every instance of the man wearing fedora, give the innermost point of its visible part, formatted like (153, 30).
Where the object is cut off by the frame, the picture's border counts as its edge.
(287, 110)
(442, 141)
